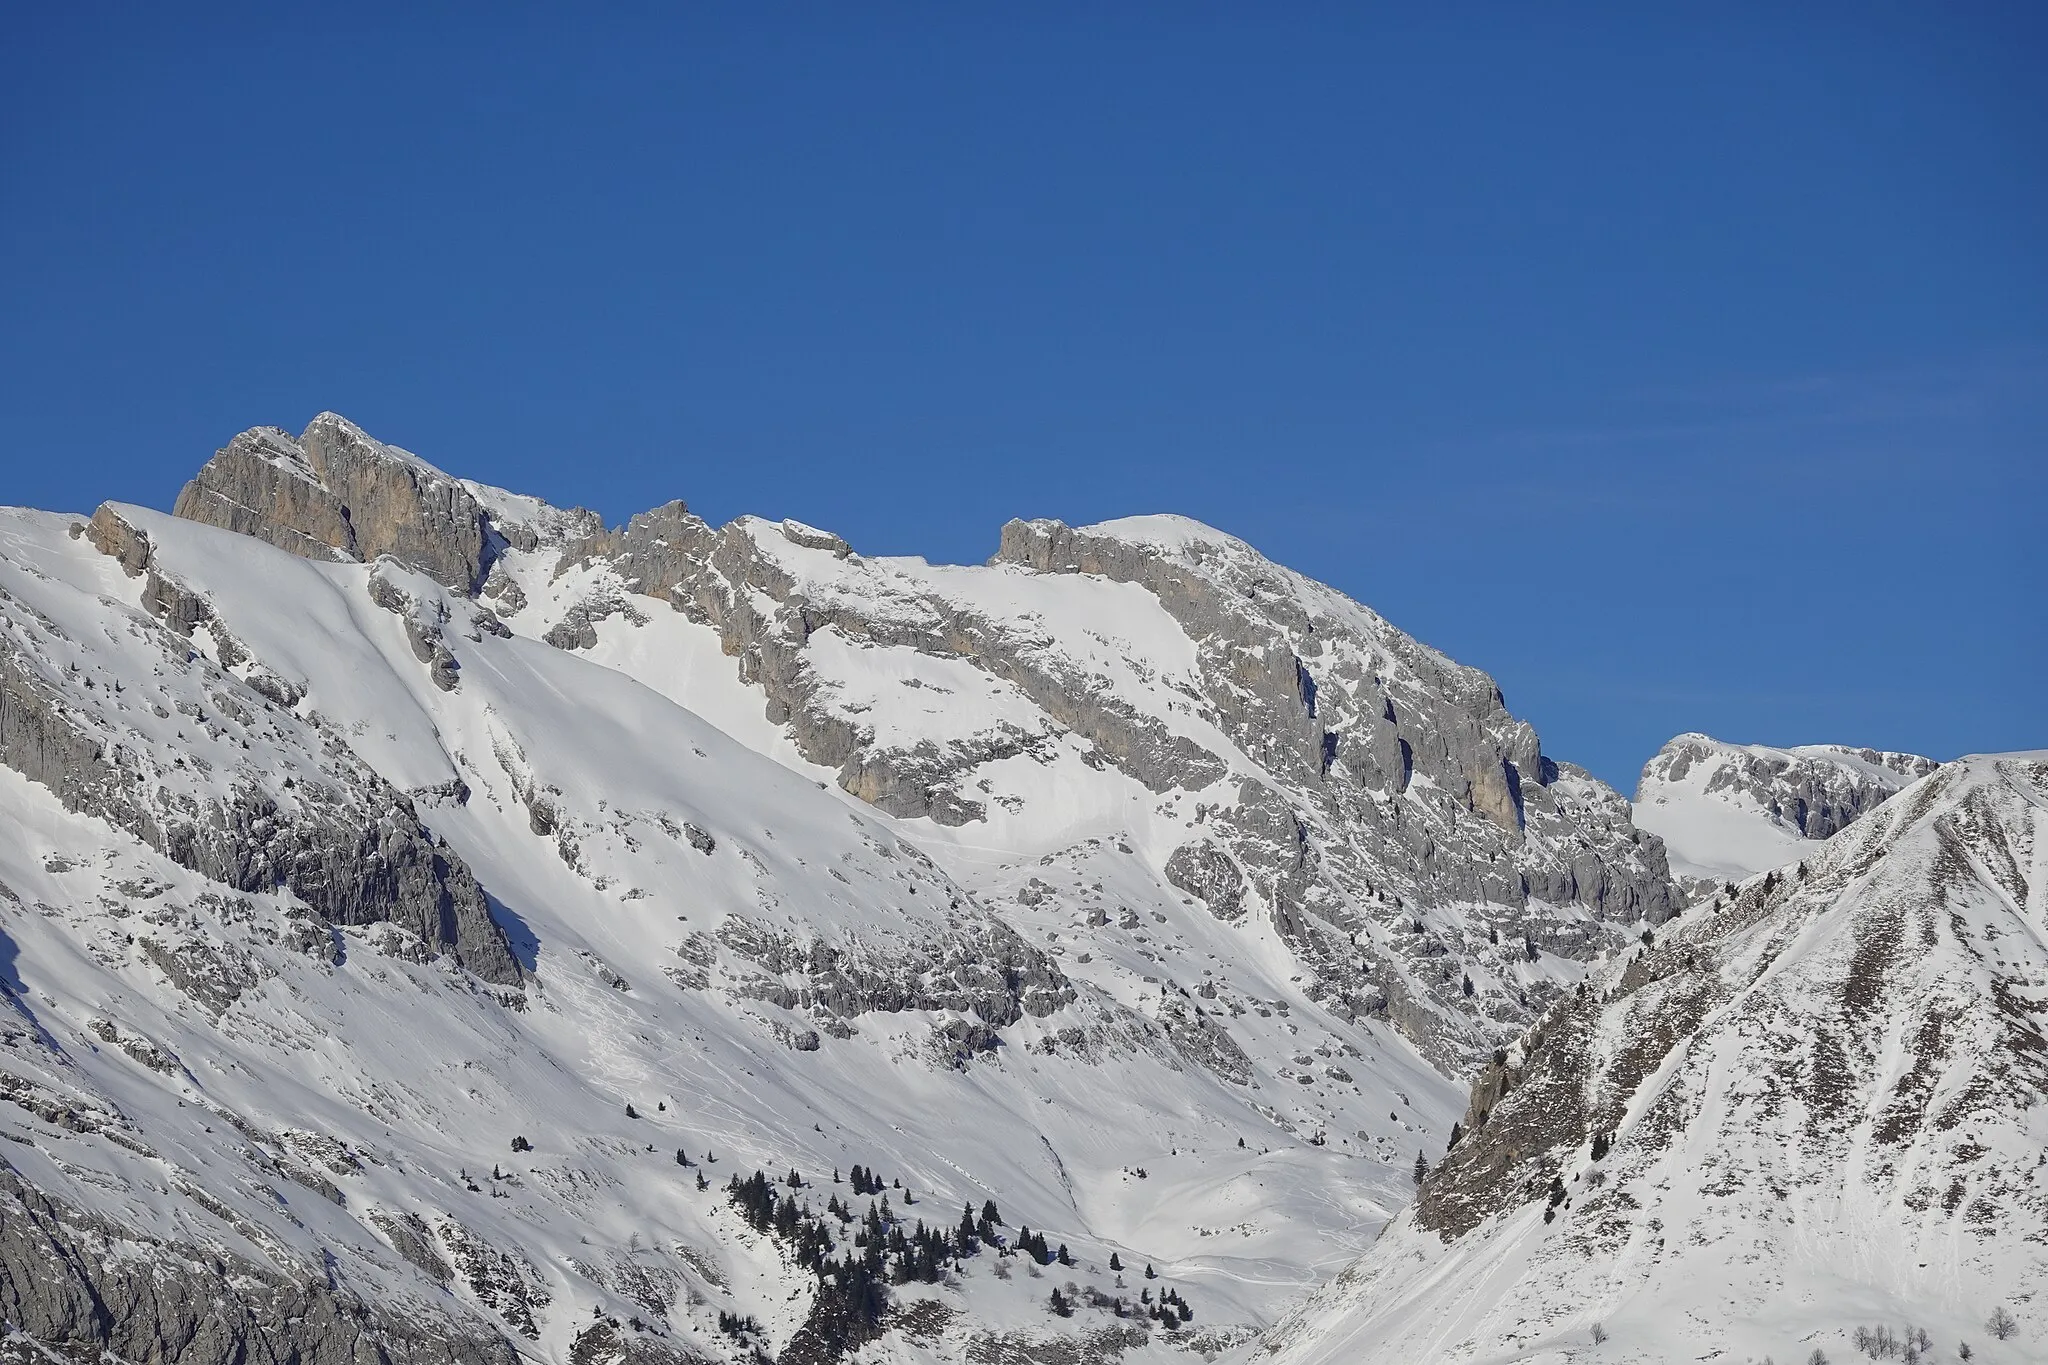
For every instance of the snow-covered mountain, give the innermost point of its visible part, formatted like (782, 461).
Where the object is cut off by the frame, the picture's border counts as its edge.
(1807, 1110)
(1730, 811)
(405, 878)
(425, 910)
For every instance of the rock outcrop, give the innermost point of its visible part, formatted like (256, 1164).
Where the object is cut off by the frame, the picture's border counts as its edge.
(79, 1287)
(334, 493)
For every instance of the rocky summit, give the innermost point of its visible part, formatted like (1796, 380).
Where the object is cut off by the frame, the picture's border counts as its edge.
(438, 927)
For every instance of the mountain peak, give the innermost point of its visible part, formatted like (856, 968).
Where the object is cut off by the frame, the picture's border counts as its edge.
(338, 493)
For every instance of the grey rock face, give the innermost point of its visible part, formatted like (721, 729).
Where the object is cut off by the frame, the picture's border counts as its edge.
(811, 538)
(335, 493)
(83, 1289)
(982, 968)
(423, 631)
(261, 484)
(656, 552)
(1206, 872)
(1263, 641)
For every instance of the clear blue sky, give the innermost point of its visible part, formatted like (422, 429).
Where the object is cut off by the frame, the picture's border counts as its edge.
(1685, 370)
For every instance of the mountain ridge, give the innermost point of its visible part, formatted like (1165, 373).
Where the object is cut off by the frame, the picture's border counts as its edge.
(1130, 880)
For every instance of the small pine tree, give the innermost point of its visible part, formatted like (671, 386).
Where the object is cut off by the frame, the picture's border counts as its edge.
(1421, 1167)
(988, 1211)
(1468, 984)
(682, 1157)
(520, 1144)
(1115, 1261)
(631, 1112)
(1150, 1273)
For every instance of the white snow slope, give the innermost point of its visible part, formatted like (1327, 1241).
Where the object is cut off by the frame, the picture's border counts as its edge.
(1825, 1099)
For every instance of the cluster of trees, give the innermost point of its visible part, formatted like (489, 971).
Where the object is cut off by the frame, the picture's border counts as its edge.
(865, 1181)
(856, 1257)
(1169, 1309)
(851, 1293)
(854, 1272)
(734, 1325)
(1913, 1344)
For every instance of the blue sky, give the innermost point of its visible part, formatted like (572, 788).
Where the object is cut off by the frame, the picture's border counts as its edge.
(1684, 370)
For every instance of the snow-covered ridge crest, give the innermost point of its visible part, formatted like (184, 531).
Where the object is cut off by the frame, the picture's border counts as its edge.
(1811, 1106)
(1730, 811)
